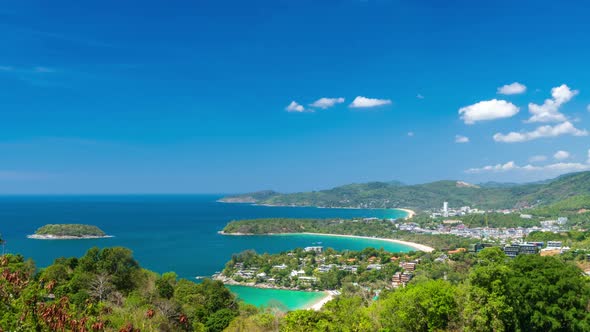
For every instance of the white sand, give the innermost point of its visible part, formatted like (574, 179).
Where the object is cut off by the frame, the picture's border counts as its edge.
(410, 213)
(320, 303)
(417, 246)
(66, 237)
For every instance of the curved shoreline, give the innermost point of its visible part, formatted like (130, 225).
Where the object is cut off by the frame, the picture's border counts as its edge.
(417, 246)
(317, 305)
(414, 245)
(66, 237)
(410, 213)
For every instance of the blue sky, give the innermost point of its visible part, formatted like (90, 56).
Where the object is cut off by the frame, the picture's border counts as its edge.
(193, 96)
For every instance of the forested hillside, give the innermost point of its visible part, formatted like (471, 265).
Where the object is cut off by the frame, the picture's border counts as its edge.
(430, 195)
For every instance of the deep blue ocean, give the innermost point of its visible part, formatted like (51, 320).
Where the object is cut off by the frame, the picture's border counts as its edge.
(166, 233)
(170, 233)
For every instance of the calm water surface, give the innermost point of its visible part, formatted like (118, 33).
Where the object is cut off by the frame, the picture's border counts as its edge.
(167, 233)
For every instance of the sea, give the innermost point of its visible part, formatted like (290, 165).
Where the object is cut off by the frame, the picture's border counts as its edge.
(173, 233)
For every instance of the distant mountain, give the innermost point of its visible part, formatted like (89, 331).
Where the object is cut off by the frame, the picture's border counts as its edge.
(254, 197)
(493, 184)
(489, 195)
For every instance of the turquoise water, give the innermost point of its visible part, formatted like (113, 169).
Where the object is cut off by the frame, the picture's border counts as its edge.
(346, 243)
(166, 233)
(279, 298)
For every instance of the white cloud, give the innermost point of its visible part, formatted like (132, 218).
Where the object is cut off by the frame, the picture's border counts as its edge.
(295, 107)
(588, 107)
(549, 111)
(324, 103)
(536, 171)
(6, 68)
(363, 102)
(561, 155)
(566, 128)
(493, 168)
(461, 139)
(537, 158)
(512, 89)
(411, 133)
(419, 96)
(554, 169)
(487, 110)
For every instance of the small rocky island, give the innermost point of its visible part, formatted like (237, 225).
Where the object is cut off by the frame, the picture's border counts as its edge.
(68, 232)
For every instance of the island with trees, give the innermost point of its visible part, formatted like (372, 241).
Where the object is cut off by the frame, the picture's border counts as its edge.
(68, 232)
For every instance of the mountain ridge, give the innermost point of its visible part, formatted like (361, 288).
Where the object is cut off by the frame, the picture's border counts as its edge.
(395, 194)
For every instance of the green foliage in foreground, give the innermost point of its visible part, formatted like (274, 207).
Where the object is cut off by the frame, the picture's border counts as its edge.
(77, 230)
(106, 290)
(371, 228)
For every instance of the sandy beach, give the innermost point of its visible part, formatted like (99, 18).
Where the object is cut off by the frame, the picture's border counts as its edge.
(320, 303)
(410, 213)
(66, 237)
(417, 246)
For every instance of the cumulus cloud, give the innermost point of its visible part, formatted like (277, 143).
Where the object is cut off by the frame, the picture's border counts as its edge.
(461, 139)
(512, 89)
(411, 133)
(537, 171)
(493, 168)
(557, 168)
(566, 128)
(588, 107)
(549, 110)
(487, 110)
(561, 155)
(419, 96)
(537, 158)
(364, 102)
(324, 103)
(295, 107)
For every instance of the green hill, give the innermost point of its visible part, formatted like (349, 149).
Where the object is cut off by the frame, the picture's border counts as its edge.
(73, 230)
(431, 195)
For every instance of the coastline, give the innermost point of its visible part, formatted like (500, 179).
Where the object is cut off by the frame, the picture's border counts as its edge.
(414, 245)
(317, 305)
(417, 246)
(66, 237)
(411, 213)
(328, 295)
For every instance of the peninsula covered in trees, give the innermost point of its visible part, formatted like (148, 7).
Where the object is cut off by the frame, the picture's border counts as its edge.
(68, 231)
(368, 227)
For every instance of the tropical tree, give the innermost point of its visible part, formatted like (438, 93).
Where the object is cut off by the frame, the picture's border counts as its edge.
(549, 294)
